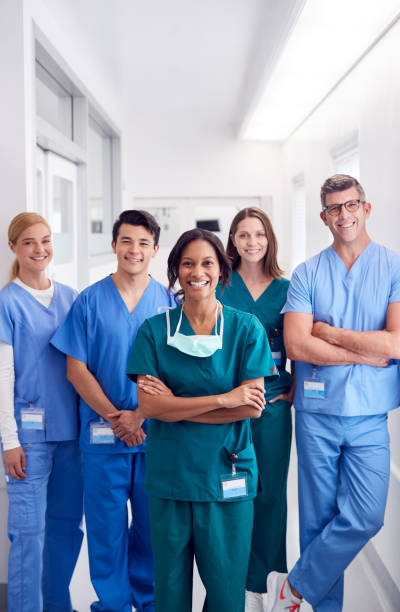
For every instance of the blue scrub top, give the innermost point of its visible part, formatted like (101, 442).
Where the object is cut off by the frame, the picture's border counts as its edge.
(354, 299)
(40, 370)
(267, 308)
(185, 460)
(100, 332)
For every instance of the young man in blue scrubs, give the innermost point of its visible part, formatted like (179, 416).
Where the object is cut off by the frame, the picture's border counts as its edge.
(342, 326)
(97, 337)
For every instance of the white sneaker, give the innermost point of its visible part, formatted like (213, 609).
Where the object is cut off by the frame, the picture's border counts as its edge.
(254, 602)
(280, 596)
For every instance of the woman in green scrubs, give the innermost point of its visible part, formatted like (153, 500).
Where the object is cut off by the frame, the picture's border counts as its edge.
(257, 287)
(200, 370)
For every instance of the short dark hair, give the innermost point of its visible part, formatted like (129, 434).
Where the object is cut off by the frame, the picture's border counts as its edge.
(340, 182)
(175, 256)
(137, 217)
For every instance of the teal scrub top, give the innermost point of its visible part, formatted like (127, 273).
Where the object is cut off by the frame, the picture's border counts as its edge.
(184, 460)
(267, 308)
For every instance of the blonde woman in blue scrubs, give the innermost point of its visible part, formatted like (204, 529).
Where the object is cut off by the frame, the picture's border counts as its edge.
(201, 474)
(257, 287)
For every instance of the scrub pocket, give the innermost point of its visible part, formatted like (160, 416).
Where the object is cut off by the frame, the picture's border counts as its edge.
(246, 464)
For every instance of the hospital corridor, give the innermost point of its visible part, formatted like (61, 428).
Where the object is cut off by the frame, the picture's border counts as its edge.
(200, 306)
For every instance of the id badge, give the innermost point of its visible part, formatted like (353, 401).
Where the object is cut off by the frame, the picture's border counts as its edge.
(234, 486)
(277, 357)
(101, 433)
(32, 418)
(314, 388)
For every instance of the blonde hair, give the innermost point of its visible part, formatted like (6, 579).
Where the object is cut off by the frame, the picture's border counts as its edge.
(18, 225)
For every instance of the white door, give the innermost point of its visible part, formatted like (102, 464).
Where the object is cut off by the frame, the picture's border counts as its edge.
(57, 202)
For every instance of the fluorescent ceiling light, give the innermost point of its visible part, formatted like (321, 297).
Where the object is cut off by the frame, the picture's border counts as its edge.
(328, 38)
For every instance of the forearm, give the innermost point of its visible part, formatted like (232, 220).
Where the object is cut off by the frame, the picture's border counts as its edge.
(171, 408)
(88, 388)
(380, 343)
(227, 415)
(320, 352)
(8, 425)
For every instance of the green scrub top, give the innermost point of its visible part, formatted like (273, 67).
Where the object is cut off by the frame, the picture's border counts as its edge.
(184, 460)
(267, 309)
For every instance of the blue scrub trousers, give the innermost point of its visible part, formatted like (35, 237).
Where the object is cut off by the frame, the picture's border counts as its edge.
(343, 473)
(44, 527)
(120, 556)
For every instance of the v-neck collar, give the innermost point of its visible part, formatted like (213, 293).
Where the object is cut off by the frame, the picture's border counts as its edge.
(35, 301)
(130, 315)
(245, 287)
(353, 270)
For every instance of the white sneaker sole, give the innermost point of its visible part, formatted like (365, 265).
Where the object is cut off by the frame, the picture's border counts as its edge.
(272, 590)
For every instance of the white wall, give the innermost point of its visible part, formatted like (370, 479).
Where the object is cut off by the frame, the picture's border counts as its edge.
(82, 48)
(368, 101)
(167, 156)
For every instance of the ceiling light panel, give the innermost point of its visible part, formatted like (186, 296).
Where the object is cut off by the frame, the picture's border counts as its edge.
(328, 38)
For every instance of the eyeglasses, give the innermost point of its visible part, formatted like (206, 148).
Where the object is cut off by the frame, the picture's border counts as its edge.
(335, 210)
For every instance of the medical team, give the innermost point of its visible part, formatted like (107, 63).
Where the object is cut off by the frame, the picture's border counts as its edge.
(209, 363)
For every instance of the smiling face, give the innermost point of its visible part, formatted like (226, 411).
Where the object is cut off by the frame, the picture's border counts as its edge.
(33, 249)
(347, 228)
(199, 270)
(134, 249)
(250, 240)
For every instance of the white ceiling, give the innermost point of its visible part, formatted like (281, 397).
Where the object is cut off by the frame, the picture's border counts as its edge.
(201, 60)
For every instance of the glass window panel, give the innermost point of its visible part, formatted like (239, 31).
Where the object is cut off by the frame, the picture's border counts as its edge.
(53, 102)
(298, 223)
(39, 190)
(348, 163)
(62, 221)
(99, 170)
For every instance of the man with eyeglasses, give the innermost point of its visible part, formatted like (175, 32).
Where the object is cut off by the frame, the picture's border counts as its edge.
(342, 326)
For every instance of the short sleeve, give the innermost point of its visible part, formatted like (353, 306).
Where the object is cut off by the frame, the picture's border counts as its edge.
(71, 336)
(6, 324)
(143, 359)
(257, 361)
(299, 295)
(395, 282)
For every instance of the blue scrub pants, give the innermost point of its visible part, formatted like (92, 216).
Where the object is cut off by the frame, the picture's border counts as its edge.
(44, 527)
(343, 473)
(120, 557)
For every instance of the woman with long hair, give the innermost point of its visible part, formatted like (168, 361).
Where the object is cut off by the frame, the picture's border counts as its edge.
(200, 371)
(38, 427)
(257, 287)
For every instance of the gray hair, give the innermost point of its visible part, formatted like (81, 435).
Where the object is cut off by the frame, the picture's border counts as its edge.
(340, 182)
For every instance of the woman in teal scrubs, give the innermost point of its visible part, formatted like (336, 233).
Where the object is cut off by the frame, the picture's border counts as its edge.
(200, 370)
(257, 287)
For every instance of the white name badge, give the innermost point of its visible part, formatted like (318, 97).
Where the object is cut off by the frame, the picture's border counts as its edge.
(32, 418)
(277, 357)
(314, 389)
(101, 433)
(234, 486)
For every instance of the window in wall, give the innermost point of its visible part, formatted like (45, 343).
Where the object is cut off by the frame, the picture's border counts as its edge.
(346, 159)
(100, 193)
(54, 103)
(298, 222)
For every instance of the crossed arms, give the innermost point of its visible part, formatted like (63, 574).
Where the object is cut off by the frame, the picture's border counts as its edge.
(322, 344)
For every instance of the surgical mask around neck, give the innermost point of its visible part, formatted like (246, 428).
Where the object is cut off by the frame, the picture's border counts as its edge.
(196, 345)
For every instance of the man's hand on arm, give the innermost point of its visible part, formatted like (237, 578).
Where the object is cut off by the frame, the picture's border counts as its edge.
(127, 425)
(377, 347)
(302, 345)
